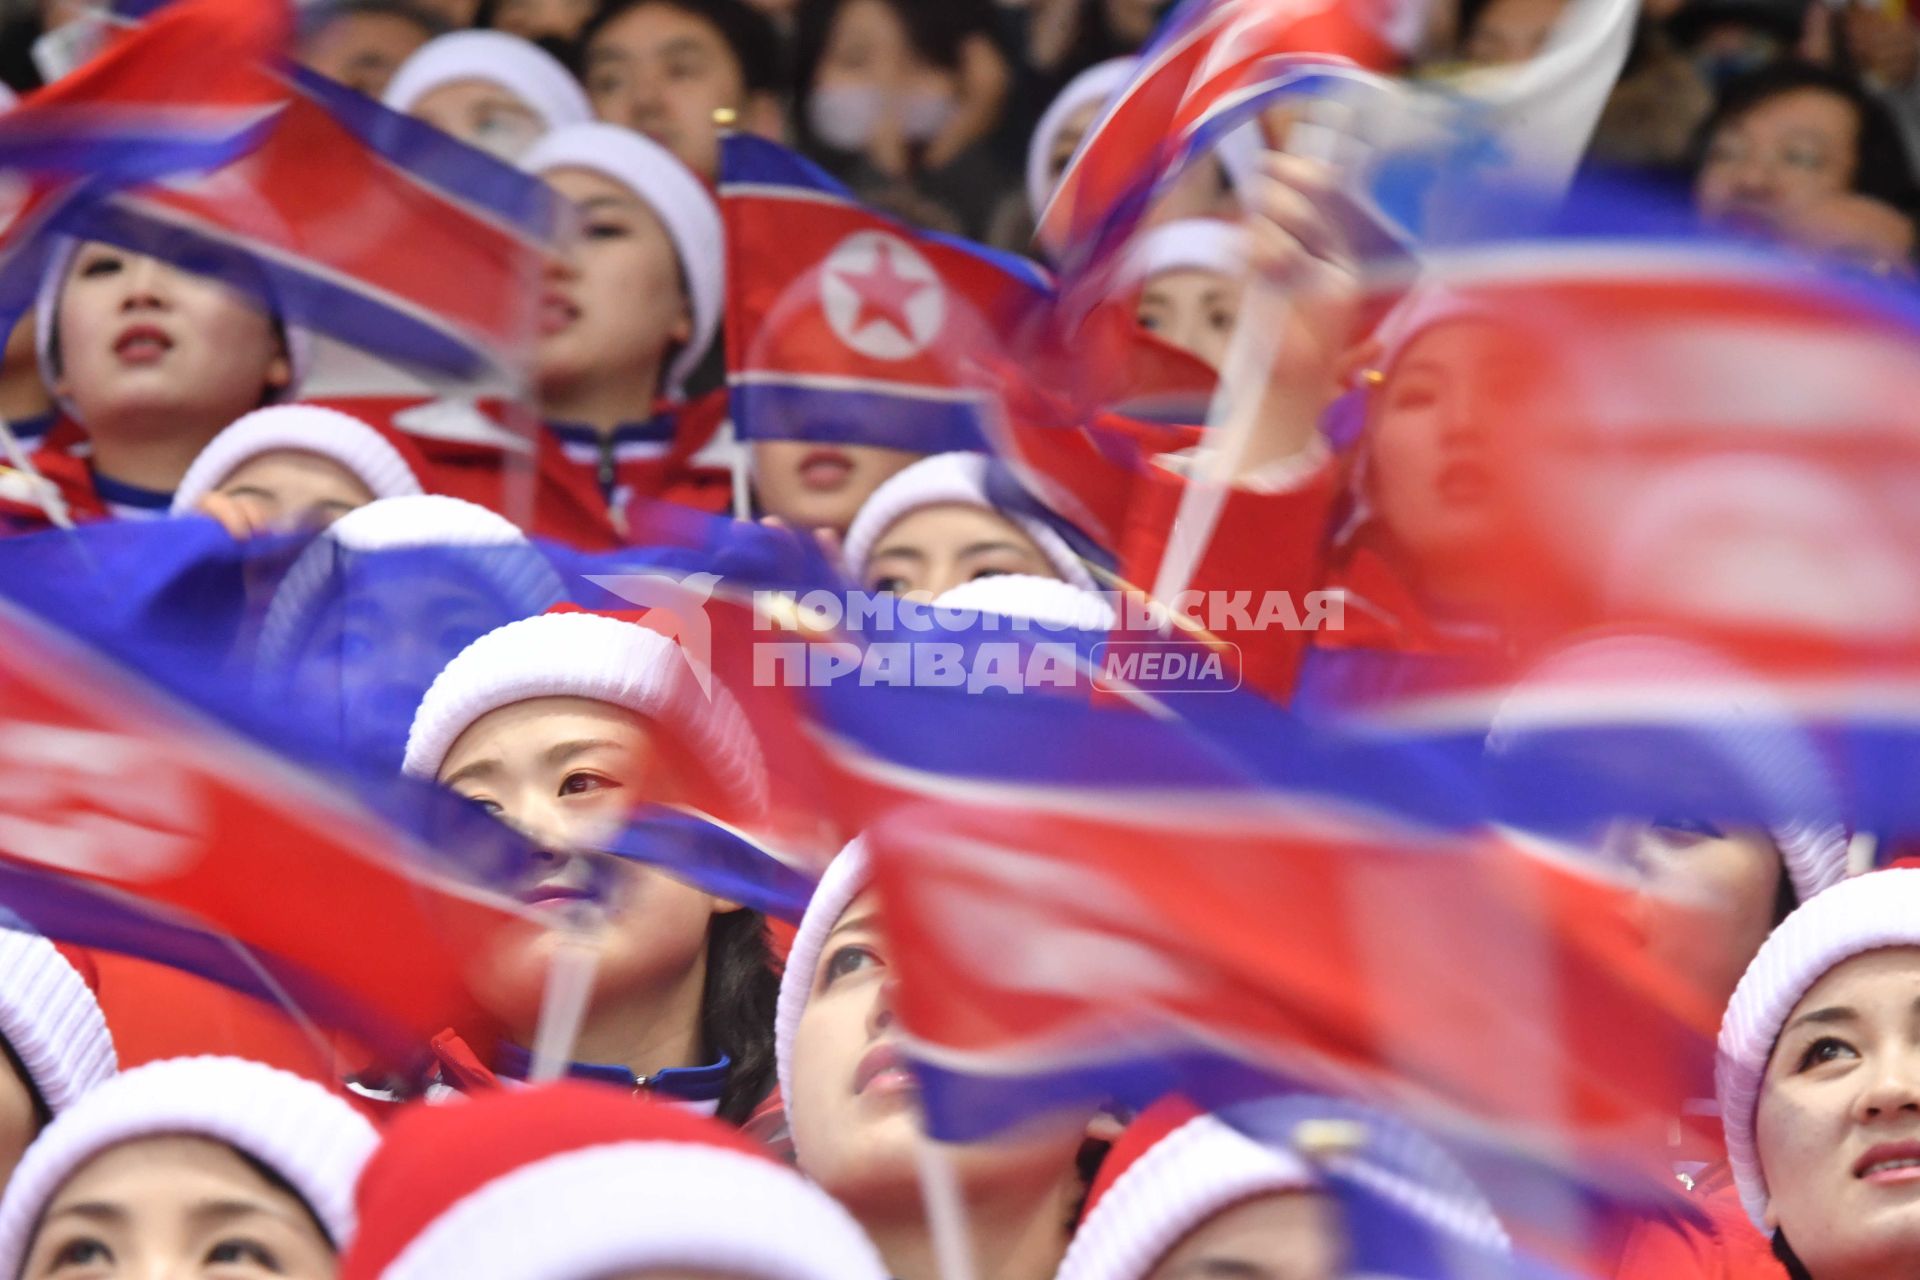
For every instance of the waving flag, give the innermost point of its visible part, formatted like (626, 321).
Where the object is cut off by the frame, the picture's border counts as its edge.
(114, 791)
(845, 326)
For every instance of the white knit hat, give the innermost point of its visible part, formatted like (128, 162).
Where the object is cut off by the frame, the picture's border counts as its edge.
(680, 200)
(493, 545)
(303, 428)
(568, 1180)
(1047, 602)
(522, 68)
(308, 1136)
(949, 478)
(590, 655)
(1094, 85)
(1867, 913)
(1187, 244)
(845, 877)
(49, 1016)
(1172, 1171)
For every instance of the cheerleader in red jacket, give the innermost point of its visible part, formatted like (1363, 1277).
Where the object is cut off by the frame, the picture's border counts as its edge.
(562, 725)
(148, 362)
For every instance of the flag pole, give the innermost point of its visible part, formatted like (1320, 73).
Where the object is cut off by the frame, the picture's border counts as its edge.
(563, 1007)
(46, 494)
(1252, 353)
(946, 1210)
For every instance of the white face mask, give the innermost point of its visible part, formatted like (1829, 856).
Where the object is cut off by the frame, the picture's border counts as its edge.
(845, 116)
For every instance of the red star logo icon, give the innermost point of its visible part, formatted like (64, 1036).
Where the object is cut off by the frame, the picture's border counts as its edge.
(884, 293)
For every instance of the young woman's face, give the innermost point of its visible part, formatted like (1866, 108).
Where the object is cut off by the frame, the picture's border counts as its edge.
(1790, 149)
(1428, 440)
(1838, 1123)
(175, 1207)
(1066, 141)
(662, 71)
(821, 486)
(142, 342)
(292, 489)
(1727, 886)
(854, 1111)
(1289, 1236)
(928, 552)
(569, 772)
(19, 1122)
(869, 70)
(1194, 310)
(482, 114)
(616, 303)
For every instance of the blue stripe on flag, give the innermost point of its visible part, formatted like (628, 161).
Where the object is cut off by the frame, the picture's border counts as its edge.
(764, 410)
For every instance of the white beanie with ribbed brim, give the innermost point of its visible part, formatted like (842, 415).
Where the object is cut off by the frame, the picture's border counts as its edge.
(495, 549)
(1187, 244)
(1197, 1171)
(299, 428)
(51, 1019)
(845, 877)
(1868, 913)
(1095, 85)
(522, 68)
(699, 1208)
(603, 659)
(309, 1137)
(949, 479)
(1046, 602)
(676, 195)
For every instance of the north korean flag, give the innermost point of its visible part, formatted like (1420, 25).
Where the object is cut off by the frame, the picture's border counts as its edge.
(846, 326)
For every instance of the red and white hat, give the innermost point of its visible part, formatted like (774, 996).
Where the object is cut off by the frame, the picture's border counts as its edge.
(848, 874)
(572, 1181)
(1870, 912)
(950, 479)
(50, 1018)
(590, 655)
(685, 209)
(1027, 597)
(521, 67)
(1186, 244)
(302, 428)
(309, 1137)
(1173, 1169)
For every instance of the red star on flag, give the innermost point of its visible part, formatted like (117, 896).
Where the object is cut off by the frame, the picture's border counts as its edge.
(884, 293)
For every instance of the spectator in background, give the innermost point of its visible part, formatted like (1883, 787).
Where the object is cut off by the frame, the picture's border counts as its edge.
(552, 24)
(663, 67)
(1506, 31)
(1857, 231)
(900, 100)
(1190, 275)
(363, 42)
(493, 91)
(1787, 135)
(457, 14)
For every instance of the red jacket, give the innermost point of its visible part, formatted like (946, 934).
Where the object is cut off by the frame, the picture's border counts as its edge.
(1720, 1243)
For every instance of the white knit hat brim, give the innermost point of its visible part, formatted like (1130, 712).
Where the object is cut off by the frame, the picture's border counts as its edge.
(1095, 85)
(1199, 1170)
(49, 1016)
(1867, 913)
(948, 479)
(680, 200)
(314, 1140)
(586, 655)
(1047, 602)
(1188, 244)
(632, 1205)
(487, 542)
(523, 69)
(300, 428)
(845, 877)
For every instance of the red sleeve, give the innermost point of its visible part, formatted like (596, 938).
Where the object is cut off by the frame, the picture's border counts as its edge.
(1268, 551)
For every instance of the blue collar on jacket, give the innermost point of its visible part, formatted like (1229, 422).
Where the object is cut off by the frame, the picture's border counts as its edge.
(684, 1084)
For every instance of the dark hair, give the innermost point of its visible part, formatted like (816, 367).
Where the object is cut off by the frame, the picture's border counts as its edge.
(42, 1113)
(935, 31)
(748, 33)
(737, 1007)
(321, 16)
(1881, 170)
(1796, 1269)
(1786, 898)
(1086, 1164)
